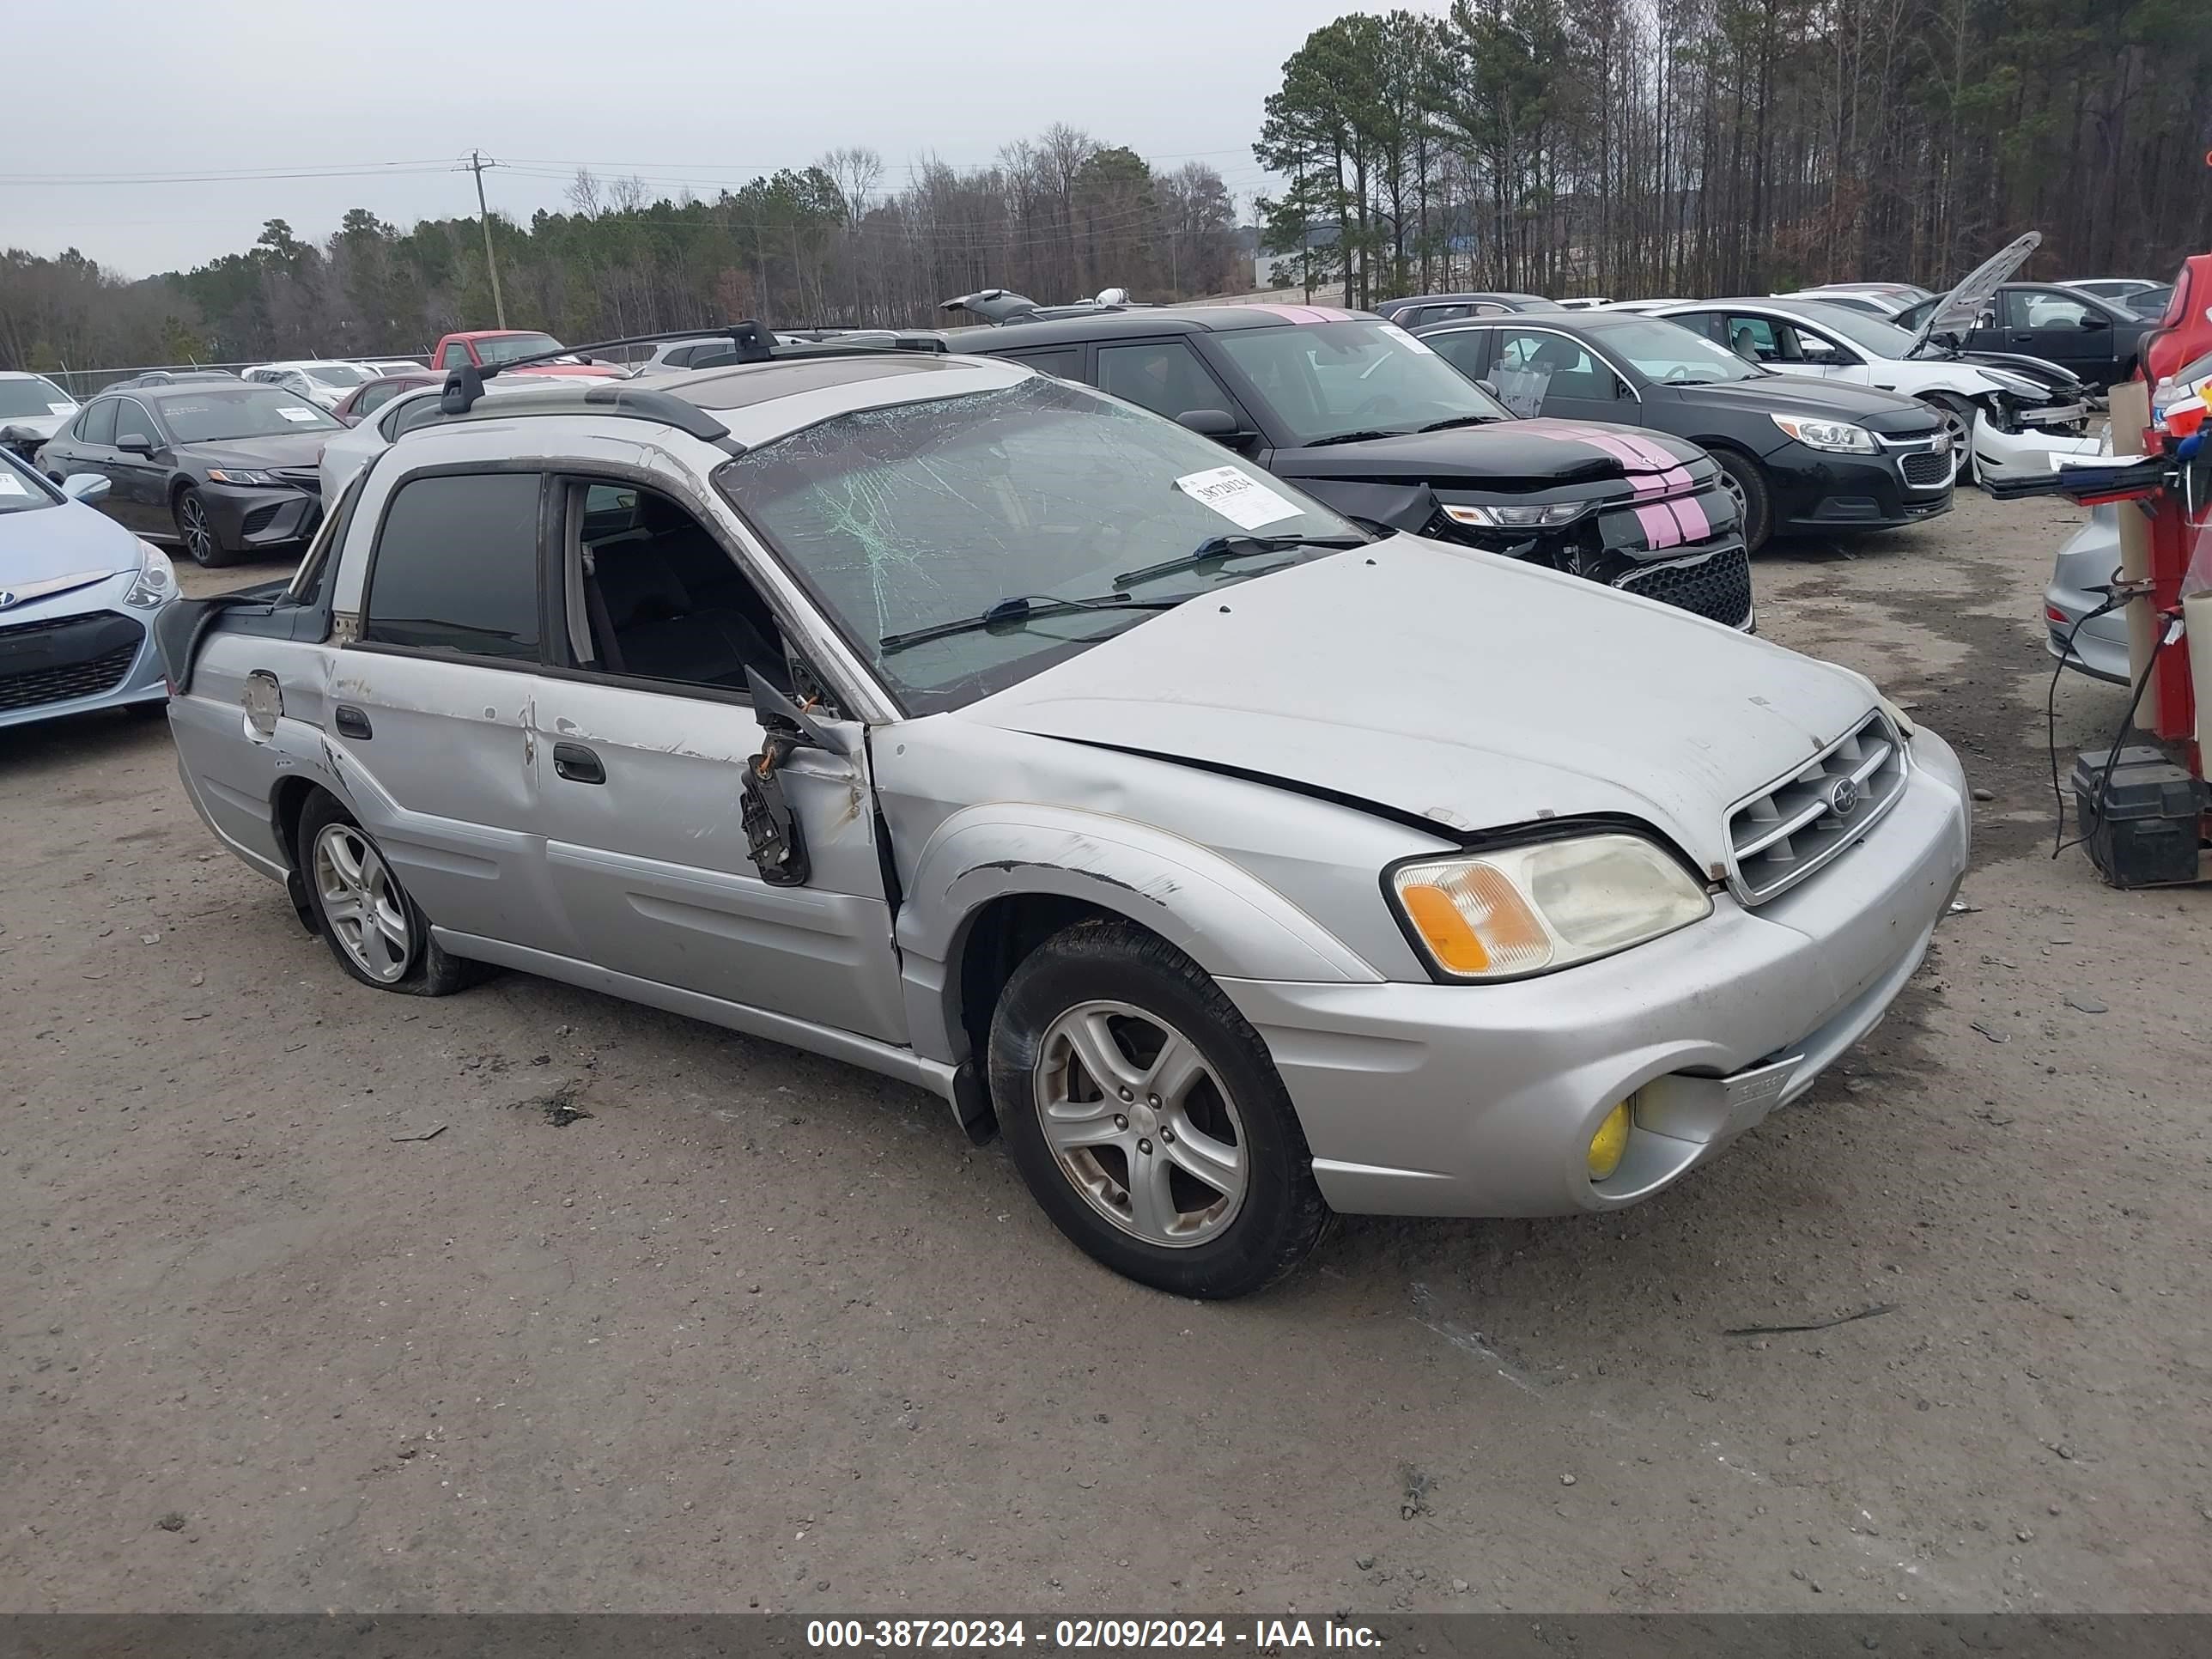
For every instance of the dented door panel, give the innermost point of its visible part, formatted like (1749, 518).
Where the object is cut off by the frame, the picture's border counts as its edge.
(652, 869)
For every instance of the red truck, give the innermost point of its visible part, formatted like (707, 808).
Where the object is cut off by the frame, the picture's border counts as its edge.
(485, 346)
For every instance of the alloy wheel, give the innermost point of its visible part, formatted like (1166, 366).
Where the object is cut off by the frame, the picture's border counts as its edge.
(1140, 1124)
(1961, 430)
(199, 534)
(361, 903)
(1735, 487)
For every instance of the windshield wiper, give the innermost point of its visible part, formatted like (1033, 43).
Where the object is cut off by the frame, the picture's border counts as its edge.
(1452, 420)
(1215, 548)
(1017, 609)
(1359, 437)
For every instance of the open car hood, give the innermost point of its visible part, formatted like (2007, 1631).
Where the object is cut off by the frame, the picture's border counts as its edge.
(1456, 687)
(1956, 311)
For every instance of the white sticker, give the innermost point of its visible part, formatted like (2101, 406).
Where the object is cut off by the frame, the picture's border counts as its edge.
(293, 412)
(61, 409)
(1405, 339)
(1237, 497)
(11, 485)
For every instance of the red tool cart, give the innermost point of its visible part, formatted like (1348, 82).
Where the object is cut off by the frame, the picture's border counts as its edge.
(2145, 813)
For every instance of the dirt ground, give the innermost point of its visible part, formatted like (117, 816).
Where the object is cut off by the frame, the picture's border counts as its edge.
(669, 1319)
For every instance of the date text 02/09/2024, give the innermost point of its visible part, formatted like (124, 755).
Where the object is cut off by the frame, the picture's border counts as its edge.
(1253, 1635)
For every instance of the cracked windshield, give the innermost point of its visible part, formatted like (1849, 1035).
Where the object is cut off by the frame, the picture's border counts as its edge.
(1060, 515)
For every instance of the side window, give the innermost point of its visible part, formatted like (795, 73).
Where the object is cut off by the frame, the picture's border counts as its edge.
(2040, 307)
(1531, 368)
(416, 411)
(453, 355)
(1441, 314)
(455, 567)
(371, 398)
(1164, 376)
(1817, 348)
(648, 594)
(1066, 362)
(1752, 338)
(1711, 323)
(97, 424)
(1462, 349)
(131, 421)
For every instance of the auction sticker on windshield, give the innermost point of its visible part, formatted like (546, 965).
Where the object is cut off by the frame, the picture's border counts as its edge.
(11, 485)
(1237, 497)
(293, 412)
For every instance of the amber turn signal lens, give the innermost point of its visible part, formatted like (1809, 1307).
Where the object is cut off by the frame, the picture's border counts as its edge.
(1474, 920)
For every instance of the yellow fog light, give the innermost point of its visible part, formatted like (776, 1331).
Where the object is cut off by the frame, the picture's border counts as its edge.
(1610, 1141)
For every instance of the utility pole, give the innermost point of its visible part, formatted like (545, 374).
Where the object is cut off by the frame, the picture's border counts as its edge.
(477, 165)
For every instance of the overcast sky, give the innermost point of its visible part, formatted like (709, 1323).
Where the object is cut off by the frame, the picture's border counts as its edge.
(696, 92)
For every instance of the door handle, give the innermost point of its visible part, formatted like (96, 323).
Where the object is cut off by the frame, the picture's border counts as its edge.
(578, 765)
(351, 722)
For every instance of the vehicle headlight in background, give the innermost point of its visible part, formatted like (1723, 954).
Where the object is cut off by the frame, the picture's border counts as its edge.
(2019, 385)
(1516, 518)
(156, 580)
(1839, 436)
(237, 475)
(1544, 905)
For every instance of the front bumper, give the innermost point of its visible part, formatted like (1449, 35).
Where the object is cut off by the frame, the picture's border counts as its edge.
(1481, 1100)
(75, 654)
(250, 516)
(2001, 454)
(1822, 492)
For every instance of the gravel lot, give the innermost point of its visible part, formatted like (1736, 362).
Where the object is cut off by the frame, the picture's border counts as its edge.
(669, 1319)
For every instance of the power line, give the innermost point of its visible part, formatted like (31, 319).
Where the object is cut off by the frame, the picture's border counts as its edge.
(239, 176)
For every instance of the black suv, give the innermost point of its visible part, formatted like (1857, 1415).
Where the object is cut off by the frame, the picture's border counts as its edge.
(1358, 413)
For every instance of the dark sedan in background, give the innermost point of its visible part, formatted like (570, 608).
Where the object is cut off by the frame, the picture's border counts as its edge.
(2095, 338)
(1799, 454)
(1416, 309)
(224, 467)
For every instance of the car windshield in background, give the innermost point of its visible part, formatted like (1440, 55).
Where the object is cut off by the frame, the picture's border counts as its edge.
(19, 398)
(1670, 353)
(1324, 381)
(221, 412)
(508, 347)
(1883, 339)
(19, 489)
(338, 374)
(925, 513)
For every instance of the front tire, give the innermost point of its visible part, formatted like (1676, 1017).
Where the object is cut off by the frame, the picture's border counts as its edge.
(196, 530)
(378, 933)
(1958, 417)
(1146, 1118)
(1746, 481)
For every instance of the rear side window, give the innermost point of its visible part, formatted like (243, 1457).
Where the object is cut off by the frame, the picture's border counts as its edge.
(1067, 362)
(456, 567)
(1164, 376)
(97, 424)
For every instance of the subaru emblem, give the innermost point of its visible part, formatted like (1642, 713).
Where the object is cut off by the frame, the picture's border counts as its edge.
(1843, 798)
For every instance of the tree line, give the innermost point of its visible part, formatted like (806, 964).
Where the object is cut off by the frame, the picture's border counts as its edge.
(1057, 216)
(1647, 148)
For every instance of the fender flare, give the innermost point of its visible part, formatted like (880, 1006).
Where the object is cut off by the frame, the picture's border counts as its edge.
(1226, 920)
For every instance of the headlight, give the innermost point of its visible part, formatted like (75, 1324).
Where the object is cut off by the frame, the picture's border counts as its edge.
(1545, 905)
(1518, 517)
(239, 476)
(156, 580)
(1840, 436)
(2019, 385)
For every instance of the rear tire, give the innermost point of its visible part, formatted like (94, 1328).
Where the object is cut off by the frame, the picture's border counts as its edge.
(196, 530)
(1746, 481)
(1146, 1118)
(378, 933)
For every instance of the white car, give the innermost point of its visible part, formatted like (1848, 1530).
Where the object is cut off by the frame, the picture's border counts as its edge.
(2118, 290)
(353, 449)
(2004, 417)
(322, 382)
(34, 404)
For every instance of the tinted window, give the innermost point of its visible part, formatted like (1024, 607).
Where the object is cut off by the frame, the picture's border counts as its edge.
(131, 421)
(1164, 376)
(453, 355)
(1067, 362)
(456, 566)
(416, 411)
(97, 424)
(1462, 349)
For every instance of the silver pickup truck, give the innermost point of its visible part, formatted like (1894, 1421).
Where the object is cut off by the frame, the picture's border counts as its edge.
(975, 727)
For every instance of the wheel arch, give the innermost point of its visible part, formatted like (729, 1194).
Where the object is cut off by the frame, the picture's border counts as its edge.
(994, 881)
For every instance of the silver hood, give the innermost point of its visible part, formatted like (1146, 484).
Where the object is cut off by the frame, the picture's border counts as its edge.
(1956, 311)
(1457, 686)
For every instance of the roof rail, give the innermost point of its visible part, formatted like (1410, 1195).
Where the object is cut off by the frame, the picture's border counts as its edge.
(749, 341)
